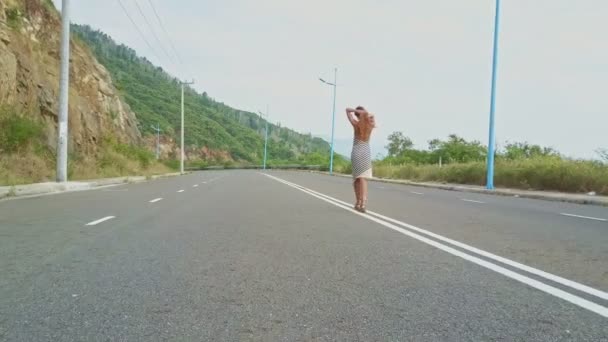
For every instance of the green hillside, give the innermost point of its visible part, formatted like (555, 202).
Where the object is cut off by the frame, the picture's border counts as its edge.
(154, 96)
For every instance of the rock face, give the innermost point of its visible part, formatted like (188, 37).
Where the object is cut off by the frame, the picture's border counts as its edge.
(29, 79)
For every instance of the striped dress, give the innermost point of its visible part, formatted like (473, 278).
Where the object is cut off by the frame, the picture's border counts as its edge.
(361, 158)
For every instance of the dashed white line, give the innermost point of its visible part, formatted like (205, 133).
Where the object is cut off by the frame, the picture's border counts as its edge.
(472, 201)
(180, 190)
(96, 222)
(156, 200)
(195, 186)
(416, 193)
(585, 217)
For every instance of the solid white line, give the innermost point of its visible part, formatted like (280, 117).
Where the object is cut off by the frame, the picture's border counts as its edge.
(584, 217)
(472, 201)
(416, 193)
(546, 275)
(156, 200)
(601, 310)
(100, 220)
(180, 190)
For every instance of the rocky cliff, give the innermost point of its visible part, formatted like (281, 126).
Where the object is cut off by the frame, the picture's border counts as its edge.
(29, 79)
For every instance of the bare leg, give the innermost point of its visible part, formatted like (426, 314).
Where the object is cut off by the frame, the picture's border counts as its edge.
(356, 192)
(357, 185)
(363, 192)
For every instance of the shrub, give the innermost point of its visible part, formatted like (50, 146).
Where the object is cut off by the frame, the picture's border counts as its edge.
(16, 132)
(541, 173)
(13, 17)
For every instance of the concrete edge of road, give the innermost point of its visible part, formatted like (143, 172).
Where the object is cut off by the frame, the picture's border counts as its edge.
(541, 195)
(36, 189)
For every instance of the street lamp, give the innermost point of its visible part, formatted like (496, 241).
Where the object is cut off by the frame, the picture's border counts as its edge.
(492, 138)
(333, 120)
(266, 138)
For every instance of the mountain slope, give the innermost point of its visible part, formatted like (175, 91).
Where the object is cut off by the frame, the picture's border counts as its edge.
(29, 79)
(214, 131)
(104, 139)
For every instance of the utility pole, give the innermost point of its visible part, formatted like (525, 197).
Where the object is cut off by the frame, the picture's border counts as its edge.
(310, 142)
(64, 84)
(266, 138)
(181, 163)
(157, 129)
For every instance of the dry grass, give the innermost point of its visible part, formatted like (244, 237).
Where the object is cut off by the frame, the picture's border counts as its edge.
(25, 168)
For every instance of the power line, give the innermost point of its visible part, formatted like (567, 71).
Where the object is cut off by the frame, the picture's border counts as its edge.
(165, 31)
(138, 30)
(152, 30)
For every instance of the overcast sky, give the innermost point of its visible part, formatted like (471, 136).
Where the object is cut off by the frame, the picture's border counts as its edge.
(422, 66)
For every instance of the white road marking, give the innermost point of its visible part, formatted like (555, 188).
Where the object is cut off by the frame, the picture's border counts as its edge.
(385, 221)
(546, 275)
(96, 222)
(180, 190)
(195, 186)
(156, 200)
(472, 201)
(584, 217)
(549, 276)
(416, 193)
(214, 179)
(106, 190)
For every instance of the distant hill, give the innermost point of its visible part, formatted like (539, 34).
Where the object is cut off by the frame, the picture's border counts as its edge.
(214, 131)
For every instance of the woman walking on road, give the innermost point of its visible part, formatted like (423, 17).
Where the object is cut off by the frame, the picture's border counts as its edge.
(361, 156)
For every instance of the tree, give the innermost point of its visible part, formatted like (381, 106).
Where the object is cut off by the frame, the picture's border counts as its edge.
(524, 150)
(456, 149)
(398, 143)
(434, 144)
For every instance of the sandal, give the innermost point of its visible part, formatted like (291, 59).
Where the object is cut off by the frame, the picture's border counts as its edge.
(362, 207)
(357, 206)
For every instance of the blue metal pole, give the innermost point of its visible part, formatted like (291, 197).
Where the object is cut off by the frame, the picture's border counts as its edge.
(333, 125)
(492, 138)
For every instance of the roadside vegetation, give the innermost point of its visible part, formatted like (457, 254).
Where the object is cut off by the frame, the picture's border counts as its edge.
(26, 158)
(518, 165)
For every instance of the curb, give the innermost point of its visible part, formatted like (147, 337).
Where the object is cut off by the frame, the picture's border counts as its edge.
(547, 196)
(56, 188)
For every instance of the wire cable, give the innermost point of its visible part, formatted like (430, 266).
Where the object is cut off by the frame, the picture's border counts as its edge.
(138, 30)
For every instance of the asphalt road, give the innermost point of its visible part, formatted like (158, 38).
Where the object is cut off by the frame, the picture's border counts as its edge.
(244, 256)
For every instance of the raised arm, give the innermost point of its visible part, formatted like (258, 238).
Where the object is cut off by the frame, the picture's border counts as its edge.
(360, 112)
(350, 116)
